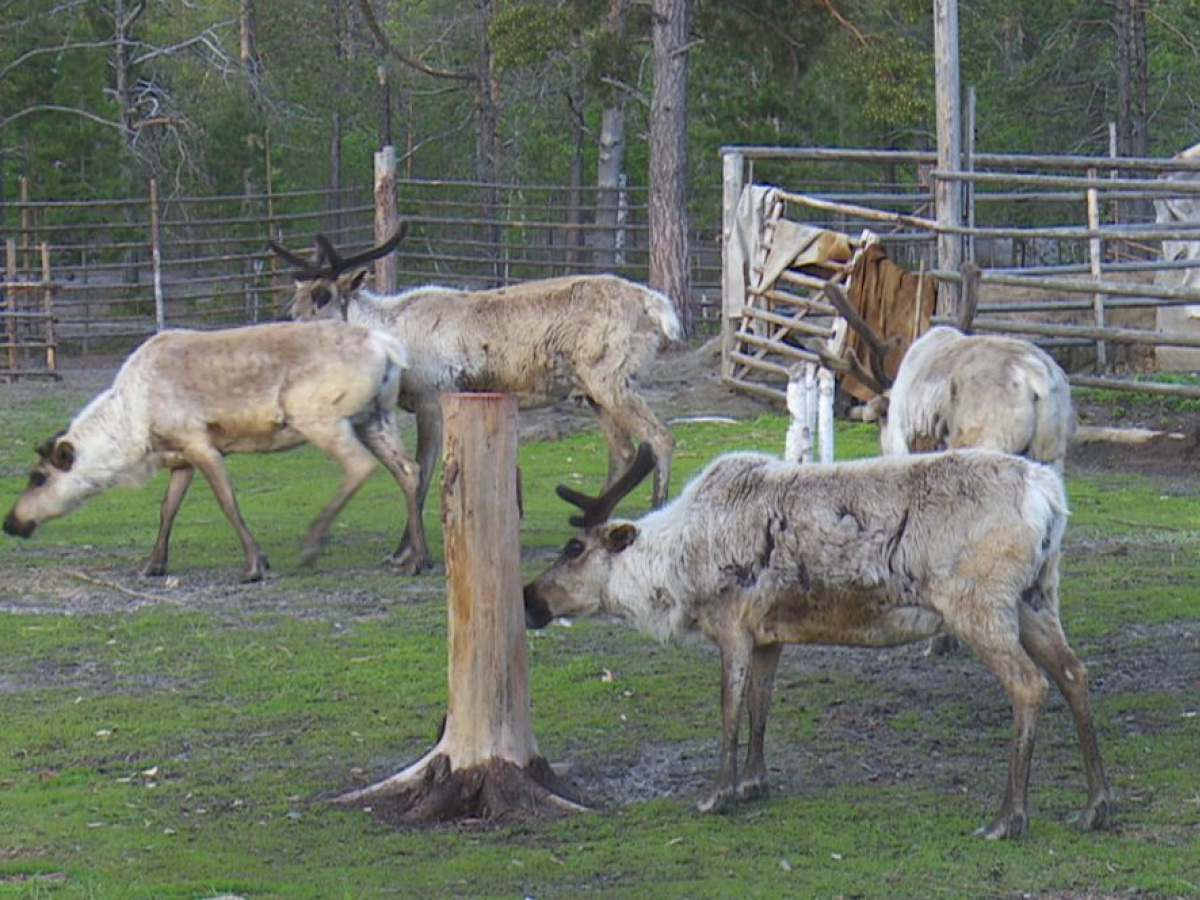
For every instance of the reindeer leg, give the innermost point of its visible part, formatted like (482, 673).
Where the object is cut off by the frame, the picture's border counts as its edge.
(339, 441)
(736, 650)
(412, 556)
(991, 630)
(763, 663)
(631, 414)
(618, 440)
(212, 465)
(1042, 636)
(177, 488)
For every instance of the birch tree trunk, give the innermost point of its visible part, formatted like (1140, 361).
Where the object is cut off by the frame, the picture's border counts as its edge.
(611, 159)
(669, 254)
(486, 763)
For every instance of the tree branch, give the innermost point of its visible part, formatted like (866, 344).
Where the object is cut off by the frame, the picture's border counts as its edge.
(53, 107)
(390, 49)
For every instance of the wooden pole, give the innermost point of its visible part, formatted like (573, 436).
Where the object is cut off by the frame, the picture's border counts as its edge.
(1095, 255)
(387, 219)
(731, 305)
(485, 765)
(10, 296)
(48, 310)
(948, 193)
(160, 311)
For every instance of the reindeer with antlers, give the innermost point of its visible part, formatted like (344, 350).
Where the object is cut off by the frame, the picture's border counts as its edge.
(585, 336)
(954, 389)
(757, 553)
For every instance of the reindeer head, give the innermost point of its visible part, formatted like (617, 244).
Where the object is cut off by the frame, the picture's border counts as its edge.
(325, 285)
(574, 584)
(51, 492)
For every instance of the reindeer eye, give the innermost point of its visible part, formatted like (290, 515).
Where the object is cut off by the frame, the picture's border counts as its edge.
(574, 548)
(37, 479)
(321, 296)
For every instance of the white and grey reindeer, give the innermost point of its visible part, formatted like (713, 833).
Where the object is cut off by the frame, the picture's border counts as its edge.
(586, 335)
(757, 553)
(954, 389)
(185, 399)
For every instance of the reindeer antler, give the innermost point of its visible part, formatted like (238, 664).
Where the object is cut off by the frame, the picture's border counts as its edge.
(596, 510)
(329, 263)
(306, 270)
(338, 264)
(972, 275)
(877, 378)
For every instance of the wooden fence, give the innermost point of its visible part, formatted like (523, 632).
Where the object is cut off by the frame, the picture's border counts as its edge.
(120, 269)
(1069, 246)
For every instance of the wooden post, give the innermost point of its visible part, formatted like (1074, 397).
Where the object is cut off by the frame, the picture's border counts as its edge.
(732, 164)
(968, 164)
(1095, 254)
(948, 192)
(48, 310)
(387, 219)
(160, 311)
(485, 765)
(10, 296)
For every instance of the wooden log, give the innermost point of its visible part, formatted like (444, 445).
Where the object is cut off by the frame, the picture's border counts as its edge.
(485, 764)
(387, 219)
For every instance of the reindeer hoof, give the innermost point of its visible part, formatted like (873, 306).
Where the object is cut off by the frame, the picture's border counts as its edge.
(1097, 815)
(1003, 827)
(754, 789)
(718, 801)
(406, 562)
(153, 569)
(255, 572)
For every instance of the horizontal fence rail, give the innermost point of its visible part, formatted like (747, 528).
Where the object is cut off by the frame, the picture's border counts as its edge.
(123, 268)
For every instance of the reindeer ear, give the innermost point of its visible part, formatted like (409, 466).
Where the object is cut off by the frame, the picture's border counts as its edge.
(618, 537)
(62, 455)
(357, 279)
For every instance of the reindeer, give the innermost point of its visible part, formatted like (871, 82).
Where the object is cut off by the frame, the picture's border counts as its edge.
(955, 390)
(587, 336)
(185, 399)
(757, 553)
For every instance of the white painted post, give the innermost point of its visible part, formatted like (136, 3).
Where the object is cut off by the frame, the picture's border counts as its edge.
(797, 445)
(825, 387)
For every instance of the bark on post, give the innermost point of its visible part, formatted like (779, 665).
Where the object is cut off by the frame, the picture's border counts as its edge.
(387, 218)
(486, 764)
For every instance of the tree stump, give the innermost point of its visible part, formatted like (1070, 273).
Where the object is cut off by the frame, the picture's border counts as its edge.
(485, 764)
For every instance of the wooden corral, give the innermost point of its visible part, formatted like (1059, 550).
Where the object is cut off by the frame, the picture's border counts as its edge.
(1090, 300)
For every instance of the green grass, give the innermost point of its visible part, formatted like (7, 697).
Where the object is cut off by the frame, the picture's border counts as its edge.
(187, 750)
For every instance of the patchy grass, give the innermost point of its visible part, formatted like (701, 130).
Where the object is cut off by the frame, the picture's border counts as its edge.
(185, 748)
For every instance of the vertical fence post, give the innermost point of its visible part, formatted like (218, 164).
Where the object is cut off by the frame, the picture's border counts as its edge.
(10, 295)
(48, 311)
(1095, 254)
(731, 191)
(160, 312)
(387, 218)
(948, 192)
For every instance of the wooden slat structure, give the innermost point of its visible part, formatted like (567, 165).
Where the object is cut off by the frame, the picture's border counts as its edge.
(27, 311)
(784, 316)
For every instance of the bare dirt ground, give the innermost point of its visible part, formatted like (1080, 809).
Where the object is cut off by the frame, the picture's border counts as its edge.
(853, 742)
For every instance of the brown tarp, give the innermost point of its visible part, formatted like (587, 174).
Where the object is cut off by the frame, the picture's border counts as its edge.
(894, 302)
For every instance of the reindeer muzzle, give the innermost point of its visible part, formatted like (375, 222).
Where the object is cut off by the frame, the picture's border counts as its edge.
(537, 613)
(17, 528)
